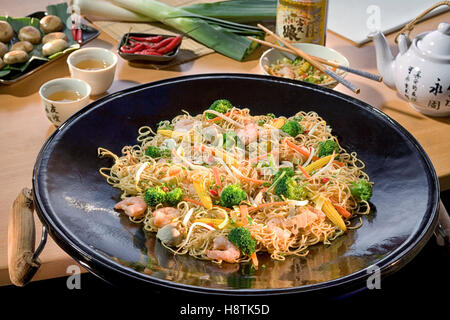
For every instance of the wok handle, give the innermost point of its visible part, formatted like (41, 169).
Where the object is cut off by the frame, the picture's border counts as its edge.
(22, 258)
(443, 228)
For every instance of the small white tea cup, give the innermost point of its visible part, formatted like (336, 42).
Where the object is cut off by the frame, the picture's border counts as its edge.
(99, 79)
(59, 111)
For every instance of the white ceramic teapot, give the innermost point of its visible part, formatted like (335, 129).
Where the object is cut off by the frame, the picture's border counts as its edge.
(421, 70)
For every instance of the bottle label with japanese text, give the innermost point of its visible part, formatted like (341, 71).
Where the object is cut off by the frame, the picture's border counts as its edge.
(302, 20)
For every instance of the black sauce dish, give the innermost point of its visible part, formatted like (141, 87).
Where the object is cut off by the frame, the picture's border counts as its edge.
(147, 57)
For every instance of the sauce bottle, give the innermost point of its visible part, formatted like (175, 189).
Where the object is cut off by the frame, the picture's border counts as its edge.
(302, 20)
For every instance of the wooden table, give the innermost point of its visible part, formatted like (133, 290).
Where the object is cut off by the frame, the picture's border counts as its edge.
(24, 126)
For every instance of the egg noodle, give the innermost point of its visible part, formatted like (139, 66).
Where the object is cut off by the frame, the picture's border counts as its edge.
(197, 155)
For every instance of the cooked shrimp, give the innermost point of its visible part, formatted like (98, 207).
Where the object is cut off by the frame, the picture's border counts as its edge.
(223, 250)
(132, 206)
(164, 216)
(185, 125)
(302, 220)
(274, 226)
(249, 133)
(286, 72)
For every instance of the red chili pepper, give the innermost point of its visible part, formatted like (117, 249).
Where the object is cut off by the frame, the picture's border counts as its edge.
(171, 46)
(152, 39)
(325, 180)
(213, 192)
(135, 48)
(165, 189)
(162, 43)
(148, 52)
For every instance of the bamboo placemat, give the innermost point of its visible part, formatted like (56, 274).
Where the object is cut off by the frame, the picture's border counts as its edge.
(189, 50)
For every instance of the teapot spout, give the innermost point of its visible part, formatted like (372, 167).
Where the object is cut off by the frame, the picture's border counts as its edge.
(385, 60)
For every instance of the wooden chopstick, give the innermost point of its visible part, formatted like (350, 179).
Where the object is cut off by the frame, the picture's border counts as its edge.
(315, 64)
(361, 73)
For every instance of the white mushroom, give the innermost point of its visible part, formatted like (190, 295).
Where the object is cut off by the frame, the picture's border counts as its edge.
(169, 235)
(22, 45)
(53, 36)
(16, 56)
(54, 46)
(3, 49)
(51, 23)
(31, 34)
(2, 64)
(6, 31)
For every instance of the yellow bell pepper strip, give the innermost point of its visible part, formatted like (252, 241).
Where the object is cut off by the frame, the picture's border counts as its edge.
(317, 164)
(202, 193)
(218, 223)
(279, 123)
(331, 212)
(175, 134)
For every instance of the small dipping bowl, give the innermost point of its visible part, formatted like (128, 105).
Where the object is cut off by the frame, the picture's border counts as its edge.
(100, 79)
(59, 111)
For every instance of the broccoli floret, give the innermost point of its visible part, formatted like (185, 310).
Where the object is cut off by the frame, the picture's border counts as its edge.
(294, 191)
(164, 125)
(327, 147)
(292, 128)
(229, 140)
(221, 105)
(289, 173)
(280, 178)
(174, 196)
(156, 152)
(361, 190)
(286, 185)
(232, 195)
(261, 122)
(154, 196)
(242, 239)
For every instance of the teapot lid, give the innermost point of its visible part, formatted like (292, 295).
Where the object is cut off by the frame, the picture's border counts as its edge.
(437, 42)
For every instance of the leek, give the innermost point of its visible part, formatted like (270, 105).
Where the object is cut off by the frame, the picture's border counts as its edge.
(227, 38)
(101, 8)
(242, 11)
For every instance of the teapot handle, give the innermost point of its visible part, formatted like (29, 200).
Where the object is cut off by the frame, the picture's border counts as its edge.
(410, 26)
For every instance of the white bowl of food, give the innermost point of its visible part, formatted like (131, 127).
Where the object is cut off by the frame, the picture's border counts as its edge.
(278, 63)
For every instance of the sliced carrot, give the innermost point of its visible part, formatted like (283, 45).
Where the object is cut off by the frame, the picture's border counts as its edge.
(174, 171)
(254, 260)
(244, 211)
(340, 164)
(307, 176)
(297, 148)
(252, 180)
(217, 177)
(342, 211)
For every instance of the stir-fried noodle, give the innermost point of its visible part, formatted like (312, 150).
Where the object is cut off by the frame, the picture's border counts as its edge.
(225, 185)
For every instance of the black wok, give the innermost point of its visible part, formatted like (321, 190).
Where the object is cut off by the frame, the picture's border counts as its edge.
(76, 204)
